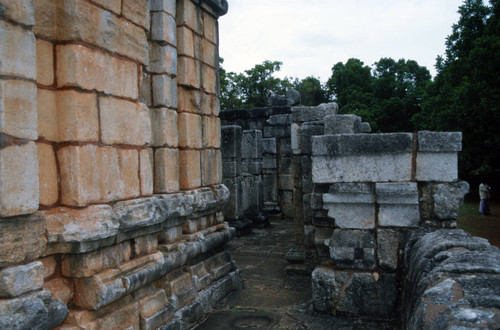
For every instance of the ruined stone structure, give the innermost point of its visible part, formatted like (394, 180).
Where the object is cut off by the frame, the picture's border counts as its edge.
(373, 217)
(110, 169)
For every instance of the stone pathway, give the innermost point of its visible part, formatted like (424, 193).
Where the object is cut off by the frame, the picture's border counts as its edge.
(271, 299)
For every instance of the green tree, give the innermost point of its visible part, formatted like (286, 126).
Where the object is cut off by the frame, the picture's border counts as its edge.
(311, 90)
(465, 94)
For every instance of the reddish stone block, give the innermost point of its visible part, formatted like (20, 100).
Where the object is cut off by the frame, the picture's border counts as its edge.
(189, 169)
(166, 169)
(47, 174)
(190, 128)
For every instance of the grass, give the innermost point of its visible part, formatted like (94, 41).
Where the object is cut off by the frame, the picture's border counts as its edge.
(487, 227)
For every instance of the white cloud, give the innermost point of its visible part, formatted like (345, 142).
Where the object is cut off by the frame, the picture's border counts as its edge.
(310, 36)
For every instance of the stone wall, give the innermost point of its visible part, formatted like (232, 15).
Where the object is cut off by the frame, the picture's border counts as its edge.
(110, 169)
(257, 163)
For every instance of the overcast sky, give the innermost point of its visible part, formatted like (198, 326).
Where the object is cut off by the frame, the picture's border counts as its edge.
(310, 36)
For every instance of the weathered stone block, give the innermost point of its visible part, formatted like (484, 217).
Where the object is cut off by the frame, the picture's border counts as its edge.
(185, 41)
(307, 131)
(187, 14)
(170, 235)
(18, 51)
(190, 128)
(351, 205)
(77, 116)
(269, 146)
(189, 169)
(210, 53)
(162, 59)
(439, 141)
(251, 144)
(167, 6)
(231, 169)
(398, 204)
(231, 137)
(145, 244)
(18, 113)
(47, 114)
(79, 66)
(84, 21)
(164, 91)
(302, 114)
(211, 132)
(276, 132)
(116, 176)
(163, 28)
(362, 157)
(210, 30)
(209, 82)
(21, 11)
(137, 12)
(188, 72)
(44, 62)
(434, 166)
(342, 124)
(80, 230)
(448, 197)
(166, 179)
(146, 171)
(164, 126)
(47, 174)
(367, 294)
(211, 167)
(18, 280)
(124, 122)
(155, 310)
(49, 266)
(388, 248)
(18, 179)
(91, 263)
(23, 238)
(190, 100)
(61, 289)
(353, 249)
(111, 5)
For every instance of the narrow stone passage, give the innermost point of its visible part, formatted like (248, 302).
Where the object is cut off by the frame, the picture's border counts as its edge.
(270, 298)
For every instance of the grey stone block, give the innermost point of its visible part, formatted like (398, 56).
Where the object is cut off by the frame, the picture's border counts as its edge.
(448, 197)
(280, 120)
(254, 168)
(307, 131)
(17, 280)
(398, 204)
(356, 294)
(231, 169)
(251, 144)
(365, 128)
(277, 131)
(353, 249)
(439, 141)
(285, 166)
(388, 248)
(270, 187)
(269, 146)
(302, 114)
(434, 166)
(351, 205)
(231, 136)
(285, 182)
(362, 144)
(342, 124)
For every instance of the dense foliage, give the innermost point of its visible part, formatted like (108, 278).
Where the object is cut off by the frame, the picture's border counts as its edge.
(400, 95)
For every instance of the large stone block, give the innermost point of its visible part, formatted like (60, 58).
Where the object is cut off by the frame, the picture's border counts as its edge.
(82, 20)
(342, 124)
(21, 11)
(146, 165)
(189, 169)
(448, 197)
(211, 167)
(353, 249)
(210, 30)
(187, 14)
(305, 134)
(18, 280)
(47, 174)
(211, 132)
(166, 179)
(231, 137)
(357, 294)
(302, 114)
(97, 174)
(18, 179)
(190, 128)
(77, 116)
(155, 310)
(18, 113)
(112, 5)
(388, 248)
(47, 114)
(190, 100)
(80, 66)
(210, 54)
(90, 263)
(17, 51)
(362, 157)
(398, 204)
(162, 59)
(163, 28)
(80, 230)
(44, 62)
(351, 205)
(437, 156)
(124, 122)
(164, 126)
(209, 80)
(137, 12)
(165, 91)
(185, 41)
(251, 144)
(23, 238)
(188, 72)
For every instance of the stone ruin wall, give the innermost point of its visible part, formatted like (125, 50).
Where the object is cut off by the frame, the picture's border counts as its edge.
(110, 168)
(373, 216)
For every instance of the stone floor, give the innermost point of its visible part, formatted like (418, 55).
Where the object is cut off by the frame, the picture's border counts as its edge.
(270, 298)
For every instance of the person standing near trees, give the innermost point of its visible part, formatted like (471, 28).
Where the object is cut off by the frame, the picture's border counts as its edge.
(484, 195)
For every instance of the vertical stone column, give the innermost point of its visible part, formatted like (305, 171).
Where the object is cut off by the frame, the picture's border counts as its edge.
(231, 170)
